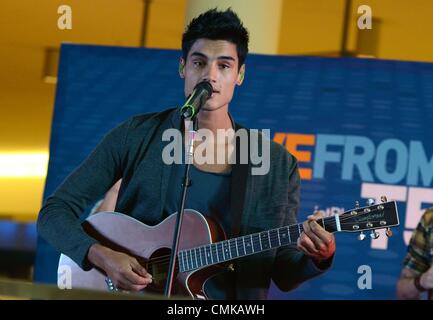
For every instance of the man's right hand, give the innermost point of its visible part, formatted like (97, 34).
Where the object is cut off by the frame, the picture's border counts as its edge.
(125, 271)
(426, 279)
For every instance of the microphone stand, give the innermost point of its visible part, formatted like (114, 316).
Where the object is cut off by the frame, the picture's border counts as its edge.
(190, 128)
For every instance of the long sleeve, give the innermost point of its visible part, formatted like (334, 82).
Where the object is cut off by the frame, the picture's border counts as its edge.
(291, 266)
(58, 220)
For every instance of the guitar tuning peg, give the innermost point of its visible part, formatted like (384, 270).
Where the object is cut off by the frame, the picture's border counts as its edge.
(370, 202)
(383, 199)
(374, 234)
(356, 204)
(361, 236)
(388, 232)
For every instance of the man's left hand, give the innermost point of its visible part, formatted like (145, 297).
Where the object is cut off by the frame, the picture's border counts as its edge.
(315, 241)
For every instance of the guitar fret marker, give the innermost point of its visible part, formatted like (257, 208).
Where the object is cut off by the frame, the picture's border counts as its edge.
(274, 240)
(283, 235)
(203, 260)
(220, 254)
(208, 254)
(247, 245)
(226, 247)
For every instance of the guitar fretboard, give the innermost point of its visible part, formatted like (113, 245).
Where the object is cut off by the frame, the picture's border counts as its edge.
(227, 250)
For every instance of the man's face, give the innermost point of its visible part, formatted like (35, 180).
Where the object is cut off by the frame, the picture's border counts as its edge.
(215, 61)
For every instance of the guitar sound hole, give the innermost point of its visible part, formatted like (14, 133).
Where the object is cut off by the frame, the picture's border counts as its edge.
(157, 265)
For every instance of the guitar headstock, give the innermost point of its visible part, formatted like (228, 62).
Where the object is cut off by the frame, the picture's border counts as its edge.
(371, 217)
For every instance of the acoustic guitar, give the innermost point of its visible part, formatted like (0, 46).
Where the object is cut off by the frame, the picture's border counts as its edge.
(203, 251)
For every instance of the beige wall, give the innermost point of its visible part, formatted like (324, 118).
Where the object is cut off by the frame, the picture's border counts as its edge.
(406, 28)
(28, 28)
(311, 27)
(166, 24)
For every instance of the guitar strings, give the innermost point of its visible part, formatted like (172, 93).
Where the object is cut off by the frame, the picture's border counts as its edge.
(165, 258)
(162, 260)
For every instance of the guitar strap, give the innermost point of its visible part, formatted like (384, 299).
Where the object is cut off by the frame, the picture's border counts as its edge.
(237, 196)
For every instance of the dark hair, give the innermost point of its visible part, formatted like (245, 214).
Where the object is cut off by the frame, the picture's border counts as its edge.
(217, 25)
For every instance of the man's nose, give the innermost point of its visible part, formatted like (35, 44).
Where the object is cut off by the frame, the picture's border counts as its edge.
(211, 73)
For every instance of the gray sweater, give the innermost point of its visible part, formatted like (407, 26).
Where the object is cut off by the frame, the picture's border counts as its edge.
(132, 151)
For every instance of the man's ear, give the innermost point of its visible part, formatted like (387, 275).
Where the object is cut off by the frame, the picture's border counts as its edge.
(182, 68)
(241, 75)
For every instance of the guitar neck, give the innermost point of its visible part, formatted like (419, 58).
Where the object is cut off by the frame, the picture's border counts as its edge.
(227, 250)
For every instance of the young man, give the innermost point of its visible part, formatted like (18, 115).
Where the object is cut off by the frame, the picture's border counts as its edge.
(417, 274)
(214, 47)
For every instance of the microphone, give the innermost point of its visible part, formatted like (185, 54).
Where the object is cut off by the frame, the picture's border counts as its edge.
(197, 99)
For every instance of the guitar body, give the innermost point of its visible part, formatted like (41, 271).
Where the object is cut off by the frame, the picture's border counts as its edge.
(150, 245)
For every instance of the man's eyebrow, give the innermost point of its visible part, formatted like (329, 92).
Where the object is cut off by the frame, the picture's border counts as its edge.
(226, 58)
(199, 54)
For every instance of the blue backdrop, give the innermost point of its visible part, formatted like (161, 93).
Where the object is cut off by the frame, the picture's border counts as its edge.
(360, 128)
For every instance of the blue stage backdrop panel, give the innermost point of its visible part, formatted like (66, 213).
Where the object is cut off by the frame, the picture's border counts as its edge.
(360, 128)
